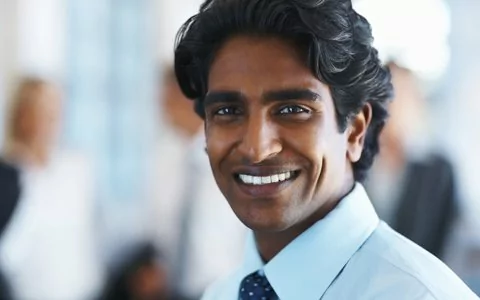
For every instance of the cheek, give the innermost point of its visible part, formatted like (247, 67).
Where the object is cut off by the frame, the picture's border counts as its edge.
(217, 151)
(309, 142)
(218, 145)
(45, 126)
(322, 147)
(33, 126)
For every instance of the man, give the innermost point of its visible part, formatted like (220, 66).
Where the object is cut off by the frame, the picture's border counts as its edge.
(294, 98)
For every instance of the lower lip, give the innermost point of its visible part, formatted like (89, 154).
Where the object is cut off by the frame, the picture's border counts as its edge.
(264, 190)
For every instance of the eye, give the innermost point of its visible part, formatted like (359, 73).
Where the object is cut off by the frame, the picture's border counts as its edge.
(292, 109)
(227, 111)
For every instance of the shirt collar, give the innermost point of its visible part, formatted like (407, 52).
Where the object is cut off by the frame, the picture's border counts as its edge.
(309, 264)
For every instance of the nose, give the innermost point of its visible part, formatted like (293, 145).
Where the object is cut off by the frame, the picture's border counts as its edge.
(260, 139)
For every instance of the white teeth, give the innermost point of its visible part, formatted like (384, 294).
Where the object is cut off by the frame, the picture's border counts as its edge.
(246, 179)
(260, 180)
(275, 178)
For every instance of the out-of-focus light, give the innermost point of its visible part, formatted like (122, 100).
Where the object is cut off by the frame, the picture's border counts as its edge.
(414, 33)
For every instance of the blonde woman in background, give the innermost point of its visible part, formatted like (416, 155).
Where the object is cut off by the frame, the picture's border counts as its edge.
(32, 123)
(47, 244)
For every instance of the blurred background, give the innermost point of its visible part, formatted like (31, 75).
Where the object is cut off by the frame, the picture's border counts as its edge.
(105, 189)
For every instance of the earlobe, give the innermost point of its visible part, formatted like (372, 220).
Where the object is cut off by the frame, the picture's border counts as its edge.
(357, 133)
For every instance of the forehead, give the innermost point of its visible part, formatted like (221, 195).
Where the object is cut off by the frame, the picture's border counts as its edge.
(257, 64)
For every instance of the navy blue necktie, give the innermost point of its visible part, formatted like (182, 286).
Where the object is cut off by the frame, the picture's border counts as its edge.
(256, 287)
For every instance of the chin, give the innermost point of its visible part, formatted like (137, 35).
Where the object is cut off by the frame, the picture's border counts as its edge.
(264, 224)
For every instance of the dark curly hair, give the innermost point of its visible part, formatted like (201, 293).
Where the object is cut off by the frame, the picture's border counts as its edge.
(336, 43)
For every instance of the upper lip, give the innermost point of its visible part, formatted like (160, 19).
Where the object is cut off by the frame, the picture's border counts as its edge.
(262, 170)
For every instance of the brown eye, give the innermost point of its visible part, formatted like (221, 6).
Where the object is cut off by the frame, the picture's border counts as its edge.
(227, 111)
(292, 109)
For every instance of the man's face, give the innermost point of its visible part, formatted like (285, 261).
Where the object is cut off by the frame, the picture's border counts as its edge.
(272, 138)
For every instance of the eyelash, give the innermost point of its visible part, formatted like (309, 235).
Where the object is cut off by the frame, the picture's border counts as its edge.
(291, 110)
(218, 112)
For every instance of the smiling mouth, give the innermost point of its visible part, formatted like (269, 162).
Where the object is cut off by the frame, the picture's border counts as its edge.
(248, 179)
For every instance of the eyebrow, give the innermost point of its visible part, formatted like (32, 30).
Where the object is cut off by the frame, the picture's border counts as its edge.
(223, 97)
(270, 96)
(291, 94)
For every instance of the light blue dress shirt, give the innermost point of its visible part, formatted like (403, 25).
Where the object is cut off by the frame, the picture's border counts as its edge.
(350, 254)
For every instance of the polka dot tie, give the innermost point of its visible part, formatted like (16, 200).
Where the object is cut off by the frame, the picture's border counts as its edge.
(256, 287)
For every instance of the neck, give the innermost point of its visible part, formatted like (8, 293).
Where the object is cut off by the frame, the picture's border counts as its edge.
(269, 244)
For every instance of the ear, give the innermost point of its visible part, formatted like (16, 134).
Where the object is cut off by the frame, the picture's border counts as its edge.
(357, 132)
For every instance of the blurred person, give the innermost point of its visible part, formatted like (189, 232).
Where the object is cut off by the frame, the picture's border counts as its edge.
(47, 248)
(178, 111)
(413, 187)
(462, 134)
(141, 276)
(186, 206)
(294, 98)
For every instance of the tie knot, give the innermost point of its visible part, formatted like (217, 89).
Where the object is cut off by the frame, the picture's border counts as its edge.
(256, 287)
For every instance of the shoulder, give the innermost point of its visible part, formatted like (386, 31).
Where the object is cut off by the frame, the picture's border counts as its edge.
(9, 192)
(7, 171)
(9, 180)
(394, 263)
(71, 161)
(435, 165)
